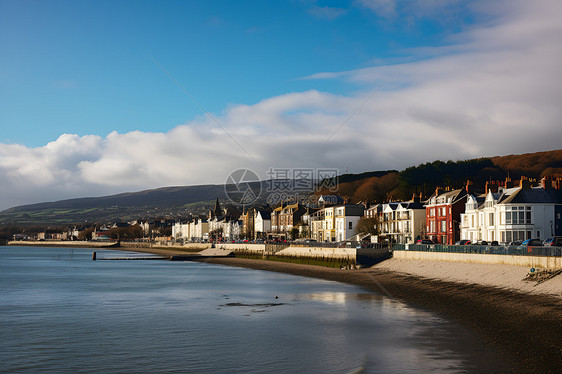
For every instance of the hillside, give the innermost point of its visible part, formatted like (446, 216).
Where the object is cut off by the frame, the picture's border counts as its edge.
(374, 186)
(161, 202)
(424, 178)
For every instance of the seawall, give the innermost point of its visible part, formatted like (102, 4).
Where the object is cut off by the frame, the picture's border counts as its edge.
(546, 262)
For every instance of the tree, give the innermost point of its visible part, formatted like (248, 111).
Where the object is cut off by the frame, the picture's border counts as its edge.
(294, 233)
(367, 226)
(86, 234)
(216, 234)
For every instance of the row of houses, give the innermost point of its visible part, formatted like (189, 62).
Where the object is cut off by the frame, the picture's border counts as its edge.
(505, 212)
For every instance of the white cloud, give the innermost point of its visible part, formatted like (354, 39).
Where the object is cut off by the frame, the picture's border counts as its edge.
(494, 91)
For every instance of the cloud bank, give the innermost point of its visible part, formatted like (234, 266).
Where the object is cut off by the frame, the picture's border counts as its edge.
(493, 91)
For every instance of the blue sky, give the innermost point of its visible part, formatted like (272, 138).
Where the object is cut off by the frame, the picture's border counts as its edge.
(87, 109)
(87, 67)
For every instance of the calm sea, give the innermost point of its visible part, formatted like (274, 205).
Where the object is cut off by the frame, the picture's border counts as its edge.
(62, 312)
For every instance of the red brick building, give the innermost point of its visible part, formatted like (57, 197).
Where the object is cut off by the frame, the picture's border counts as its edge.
(443, 214)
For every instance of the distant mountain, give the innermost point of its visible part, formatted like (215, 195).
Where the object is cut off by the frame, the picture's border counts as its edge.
(372, 186)
(160, 202)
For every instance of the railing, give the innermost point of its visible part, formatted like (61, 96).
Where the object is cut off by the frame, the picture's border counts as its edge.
(346, 244)
(482, 249)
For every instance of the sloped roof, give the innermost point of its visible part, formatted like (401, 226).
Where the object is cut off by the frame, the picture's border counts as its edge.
(534, 196)
(412, 205)
(264, 214)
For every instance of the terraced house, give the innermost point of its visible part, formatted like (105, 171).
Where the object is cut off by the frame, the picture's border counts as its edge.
(443, 214)
(514, 214)
(401, 222)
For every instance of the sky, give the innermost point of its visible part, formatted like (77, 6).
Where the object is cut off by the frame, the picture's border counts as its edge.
(103, 97)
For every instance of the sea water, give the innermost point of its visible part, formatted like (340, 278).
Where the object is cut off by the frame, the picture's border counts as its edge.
(62, 312)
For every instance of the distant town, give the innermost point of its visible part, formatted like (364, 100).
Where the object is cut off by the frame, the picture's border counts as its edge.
(500, 212)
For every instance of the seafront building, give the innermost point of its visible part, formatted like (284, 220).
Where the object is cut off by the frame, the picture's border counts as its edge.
(513, 214)
(286, 217)
(335, 223)
(262, 223)
(399, 222)
(443, 214)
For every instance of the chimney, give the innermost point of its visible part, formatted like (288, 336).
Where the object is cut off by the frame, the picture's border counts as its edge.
(508, 183)
(416, 198)
(438, 191)
(525, 183)
(546, 182)
(469, 187)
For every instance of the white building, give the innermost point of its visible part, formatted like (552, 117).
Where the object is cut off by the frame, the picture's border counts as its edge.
(512, 214)
(335, 223)
(180, 231)
(346, 218)
(401, 222)
(262, 223)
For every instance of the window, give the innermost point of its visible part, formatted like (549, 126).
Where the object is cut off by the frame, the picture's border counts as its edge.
(443, 226)
(491, 219)
(538, 234)
(350, 225)
(528, 217)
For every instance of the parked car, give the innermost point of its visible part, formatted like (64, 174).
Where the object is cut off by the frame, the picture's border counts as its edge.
(555, 241)
(425, 241)
(463, 242)
(516, 242)
(532, 243)
(494, 243)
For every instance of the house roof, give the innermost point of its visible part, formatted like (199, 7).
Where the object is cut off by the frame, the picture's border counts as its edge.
(412, 205)
(533, 196)
(264, 214)
(449, 197)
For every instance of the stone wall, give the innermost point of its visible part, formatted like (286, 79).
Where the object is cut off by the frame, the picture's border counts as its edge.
(528, 261)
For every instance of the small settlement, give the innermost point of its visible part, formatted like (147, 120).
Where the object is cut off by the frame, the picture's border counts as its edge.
(502, 212)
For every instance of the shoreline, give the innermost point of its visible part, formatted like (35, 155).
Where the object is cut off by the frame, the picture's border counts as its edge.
(525, 327)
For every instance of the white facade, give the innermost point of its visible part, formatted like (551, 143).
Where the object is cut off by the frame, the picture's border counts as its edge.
(261, 225)
(402, 222)
(181, 231)
(345, 225)
(200, 230)
(500, 219)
